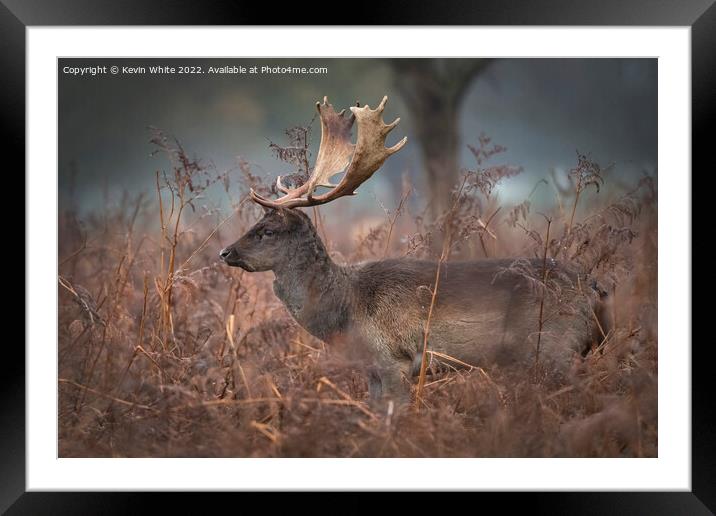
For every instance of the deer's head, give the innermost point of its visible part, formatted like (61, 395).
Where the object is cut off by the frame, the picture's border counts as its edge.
(284, 231)
(272, 242)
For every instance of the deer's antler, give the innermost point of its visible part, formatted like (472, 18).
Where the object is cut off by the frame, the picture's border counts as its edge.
(337, 153)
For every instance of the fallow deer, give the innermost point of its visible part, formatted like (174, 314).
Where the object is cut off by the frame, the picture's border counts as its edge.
(483, 315)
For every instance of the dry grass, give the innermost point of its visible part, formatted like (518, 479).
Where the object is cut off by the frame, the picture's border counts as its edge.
(163, 351)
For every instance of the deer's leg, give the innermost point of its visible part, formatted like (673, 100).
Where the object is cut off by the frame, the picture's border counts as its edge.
(386, 381)
(375, 385)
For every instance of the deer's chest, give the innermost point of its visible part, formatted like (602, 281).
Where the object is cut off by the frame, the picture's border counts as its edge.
(316, 311)
(293, 303)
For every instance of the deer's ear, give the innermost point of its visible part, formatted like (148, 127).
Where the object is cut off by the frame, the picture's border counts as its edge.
(291, 217)
(284, 213)
(267, 210)
(302, 215)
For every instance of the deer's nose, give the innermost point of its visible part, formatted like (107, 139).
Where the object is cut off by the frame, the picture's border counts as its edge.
(224, 253)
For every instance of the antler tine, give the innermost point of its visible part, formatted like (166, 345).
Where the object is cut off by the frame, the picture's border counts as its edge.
(280, 187)
(395, 148)
(337, 153)
(389, 127)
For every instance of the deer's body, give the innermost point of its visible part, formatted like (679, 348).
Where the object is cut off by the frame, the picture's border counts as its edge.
(480, 317)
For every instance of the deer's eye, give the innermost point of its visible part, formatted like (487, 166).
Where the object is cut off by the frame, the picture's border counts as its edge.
(268, 233)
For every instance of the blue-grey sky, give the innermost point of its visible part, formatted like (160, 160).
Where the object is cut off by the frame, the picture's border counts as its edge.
(542, 110)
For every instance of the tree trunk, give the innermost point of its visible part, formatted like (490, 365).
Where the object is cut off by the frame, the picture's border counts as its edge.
(432, 90)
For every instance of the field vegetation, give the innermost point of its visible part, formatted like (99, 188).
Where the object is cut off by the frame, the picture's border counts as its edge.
(166, 352)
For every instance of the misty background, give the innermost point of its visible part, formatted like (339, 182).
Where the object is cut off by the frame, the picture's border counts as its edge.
(542, 110)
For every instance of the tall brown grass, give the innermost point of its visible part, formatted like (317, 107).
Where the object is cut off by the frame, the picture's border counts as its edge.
(163, 351)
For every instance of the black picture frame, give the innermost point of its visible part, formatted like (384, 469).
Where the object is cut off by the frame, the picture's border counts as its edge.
(17, 15)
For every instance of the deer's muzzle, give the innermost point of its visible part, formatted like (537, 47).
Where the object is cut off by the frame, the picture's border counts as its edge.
(230, 257)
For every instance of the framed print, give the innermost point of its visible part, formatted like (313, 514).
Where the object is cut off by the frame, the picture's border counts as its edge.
(321, 257)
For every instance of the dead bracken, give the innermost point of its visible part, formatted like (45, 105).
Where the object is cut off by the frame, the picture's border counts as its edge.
(163, 351)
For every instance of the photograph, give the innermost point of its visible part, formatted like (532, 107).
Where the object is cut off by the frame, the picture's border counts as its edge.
(357, 257)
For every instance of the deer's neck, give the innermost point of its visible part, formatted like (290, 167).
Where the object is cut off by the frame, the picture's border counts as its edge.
(316, 291)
